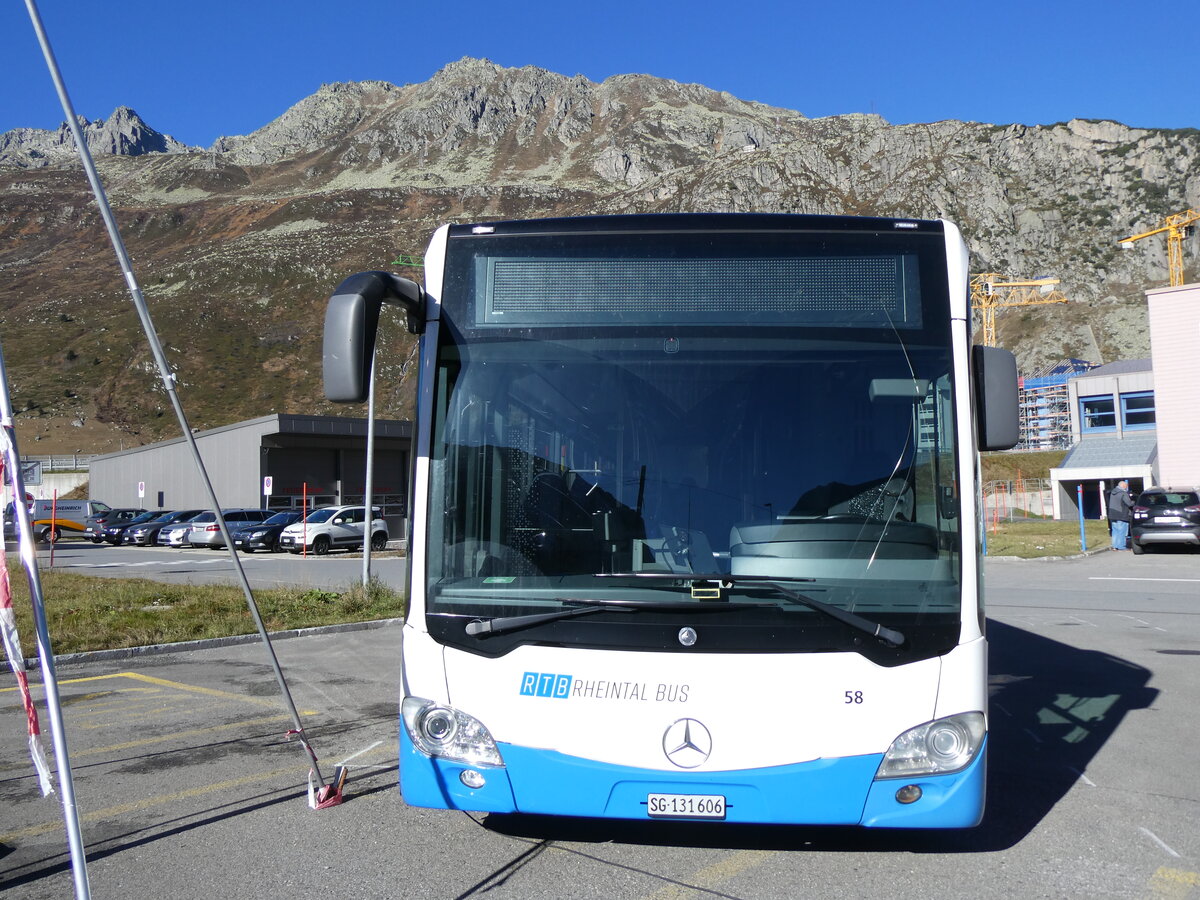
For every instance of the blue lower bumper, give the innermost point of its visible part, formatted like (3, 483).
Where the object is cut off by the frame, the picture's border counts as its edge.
(822, 792)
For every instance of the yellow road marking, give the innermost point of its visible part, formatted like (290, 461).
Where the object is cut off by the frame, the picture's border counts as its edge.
(175, 735)
(715, 874)
(112, 696)
(134, 701)
(122, 718)
(177, 685)
(148, 803)
(119, 700)
(1173, 883)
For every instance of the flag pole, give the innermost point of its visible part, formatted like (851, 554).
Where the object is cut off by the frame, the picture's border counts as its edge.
(329, 794)
(28, 551)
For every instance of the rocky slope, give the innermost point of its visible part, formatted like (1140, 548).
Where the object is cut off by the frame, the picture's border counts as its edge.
(238, 246)
(123, 133)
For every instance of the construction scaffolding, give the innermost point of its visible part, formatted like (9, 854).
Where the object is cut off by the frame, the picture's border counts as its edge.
(1045, 407)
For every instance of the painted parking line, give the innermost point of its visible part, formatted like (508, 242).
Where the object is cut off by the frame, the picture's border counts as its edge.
(1161, 843)
(177, 735)
(191, 561)
(1129, 578)
(124, 809)
(710, 876)
(115, 713)
(175, 685)
(1173, 883)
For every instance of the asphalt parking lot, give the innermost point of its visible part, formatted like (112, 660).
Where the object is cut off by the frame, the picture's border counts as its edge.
(188, 786)
(205, 566)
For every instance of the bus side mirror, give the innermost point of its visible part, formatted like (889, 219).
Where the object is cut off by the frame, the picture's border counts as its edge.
(351, 322)
(996, 402)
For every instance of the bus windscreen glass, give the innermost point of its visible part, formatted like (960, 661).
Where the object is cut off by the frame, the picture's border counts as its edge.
(622, 425)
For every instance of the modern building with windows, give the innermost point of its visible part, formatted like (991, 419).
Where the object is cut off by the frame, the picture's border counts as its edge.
(1175, 344)
(1114, 434)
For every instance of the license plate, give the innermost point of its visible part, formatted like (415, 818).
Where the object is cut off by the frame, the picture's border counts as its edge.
(686, 806)
(1167, 520)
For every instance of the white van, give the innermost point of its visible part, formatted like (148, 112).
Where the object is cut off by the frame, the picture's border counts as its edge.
(53, 519)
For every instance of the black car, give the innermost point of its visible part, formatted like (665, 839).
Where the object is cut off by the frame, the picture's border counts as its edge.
(1165, 516)
(263, 535)
(146, 533)
(115, 533)
(94, 525)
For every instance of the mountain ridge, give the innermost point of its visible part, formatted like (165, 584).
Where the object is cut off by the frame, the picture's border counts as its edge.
(238, 245)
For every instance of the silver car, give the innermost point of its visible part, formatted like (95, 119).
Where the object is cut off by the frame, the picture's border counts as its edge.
(176, 535)
(205, 532)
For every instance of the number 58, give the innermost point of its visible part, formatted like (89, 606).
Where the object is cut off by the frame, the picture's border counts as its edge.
(854, 696)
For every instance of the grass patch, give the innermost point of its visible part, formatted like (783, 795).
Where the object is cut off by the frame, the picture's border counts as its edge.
(84, 612)
(1029, 538)
(1010, 466)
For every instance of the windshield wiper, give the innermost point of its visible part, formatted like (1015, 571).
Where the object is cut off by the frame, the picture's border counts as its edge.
(887, 635)
(854, 620)
(582, 607)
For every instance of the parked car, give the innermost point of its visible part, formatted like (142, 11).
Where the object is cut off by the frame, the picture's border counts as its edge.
(176, 535)
(334, 526)
(94, 525)
(263, 535)
(146, 533)
(1165, 516)
(115, 533)
(206, 532)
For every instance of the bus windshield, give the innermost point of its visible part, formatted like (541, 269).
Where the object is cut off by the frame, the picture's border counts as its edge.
(692, 430)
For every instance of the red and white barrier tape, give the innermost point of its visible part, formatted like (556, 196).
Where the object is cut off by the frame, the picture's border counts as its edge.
(16, 659)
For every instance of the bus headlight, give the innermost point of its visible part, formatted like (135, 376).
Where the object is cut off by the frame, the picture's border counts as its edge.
(935, 748)
(448, 733)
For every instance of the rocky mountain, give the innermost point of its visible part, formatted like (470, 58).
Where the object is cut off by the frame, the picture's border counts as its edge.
(237, 246)
(123, 134)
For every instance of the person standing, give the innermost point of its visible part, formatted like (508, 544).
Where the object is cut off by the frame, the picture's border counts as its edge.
(1120, 505)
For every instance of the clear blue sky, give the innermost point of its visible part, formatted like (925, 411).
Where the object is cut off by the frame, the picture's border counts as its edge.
(202, 69)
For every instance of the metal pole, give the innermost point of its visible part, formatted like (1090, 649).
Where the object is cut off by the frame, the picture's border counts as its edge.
(369, 480)
(1079, 502)
(164, 369)
(28, 552)
(53, 525)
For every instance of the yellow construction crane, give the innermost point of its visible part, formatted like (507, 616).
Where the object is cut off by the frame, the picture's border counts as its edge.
(990, 291)
(1177, 228)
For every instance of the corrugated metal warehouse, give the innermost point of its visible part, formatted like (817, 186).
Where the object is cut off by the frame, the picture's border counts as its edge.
(322, 458)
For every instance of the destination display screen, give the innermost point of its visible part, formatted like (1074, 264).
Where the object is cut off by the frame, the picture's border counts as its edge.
(829, 291)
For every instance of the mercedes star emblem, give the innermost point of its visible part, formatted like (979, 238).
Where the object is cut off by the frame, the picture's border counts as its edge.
(687, 743)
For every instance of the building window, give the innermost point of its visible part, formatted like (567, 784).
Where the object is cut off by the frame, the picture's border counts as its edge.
(1097, 414)
(1137, 410)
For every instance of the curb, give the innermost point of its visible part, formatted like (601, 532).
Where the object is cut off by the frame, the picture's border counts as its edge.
(1084, 555)
(212, 643)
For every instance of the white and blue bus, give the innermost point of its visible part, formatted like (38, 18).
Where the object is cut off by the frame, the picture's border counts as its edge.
(695, 526)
